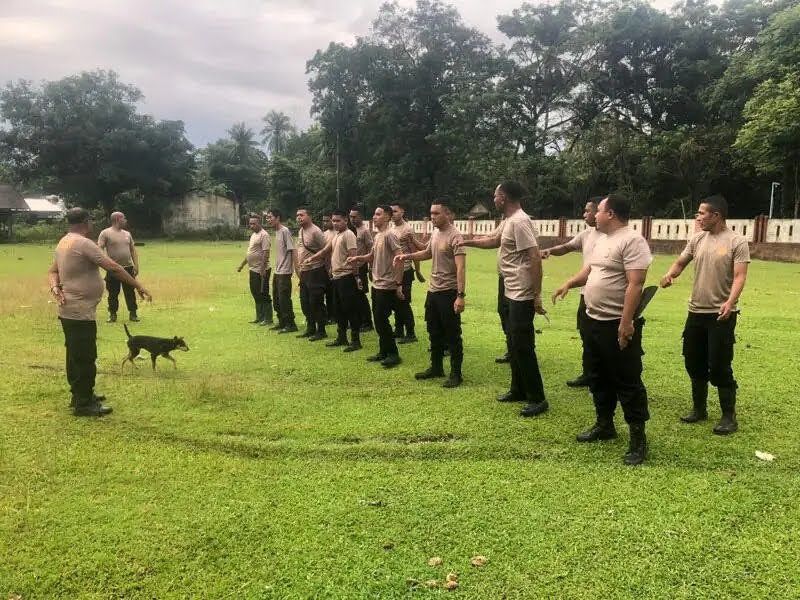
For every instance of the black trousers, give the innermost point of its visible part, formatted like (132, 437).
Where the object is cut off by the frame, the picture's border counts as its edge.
(404, 314)
(112, 287)
(526, 379)
(80, 339)
(259, 288)
(330, 300)
(312, 297)
(383, 303)
(282, 299)
(614, 374)
(348, 307)
(363, 303)
(444, 329)
(581, 325)
(502, 307)
(708, 348)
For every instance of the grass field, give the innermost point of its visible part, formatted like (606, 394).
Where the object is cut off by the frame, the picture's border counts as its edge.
(267, 467)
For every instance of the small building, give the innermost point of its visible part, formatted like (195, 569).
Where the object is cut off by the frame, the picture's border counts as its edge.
(49, 208)
(479, 211)
(11, 203)
(199, 211)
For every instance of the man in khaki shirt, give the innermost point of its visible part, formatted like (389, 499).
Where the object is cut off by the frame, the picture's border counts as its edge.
(445, 300)
(404, 325)
(345, 285)
(521, 267)
(387, 284)
(118, 245)
(613, 280)
(584, 243)
(330, 296)
(313, 276)
(257, 261)
(364, 241)
(720, 257)
(75, 282)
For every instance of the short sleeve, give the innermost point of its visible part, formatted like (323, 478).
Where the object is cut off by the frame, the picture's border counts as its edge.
(636, 255)
(576, 243)
(92, 251)
(741, 251)
(392, 243)
(689, 250)
(287, 239)
(265, 241)
(459, 249)
(350, 241)
(524, 237)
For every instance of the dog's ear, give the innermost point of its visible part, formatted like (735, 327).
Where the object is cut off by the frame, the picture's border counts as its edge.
(176, 338)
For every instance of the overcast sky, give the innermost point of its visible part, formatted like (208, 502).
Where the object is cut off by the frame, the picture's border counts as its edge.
(207, 62)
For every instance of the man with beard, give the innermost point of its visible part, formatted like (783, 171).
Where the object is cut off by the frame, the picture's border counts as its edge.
(583, 242)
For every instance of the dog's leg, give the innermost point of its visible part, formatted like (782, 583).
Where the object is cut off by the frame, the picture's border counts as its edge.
(153, 358)
(172, 360)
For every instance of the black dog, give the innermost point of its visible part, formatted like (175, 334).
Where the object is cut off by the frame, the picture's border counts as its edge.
(155, 346)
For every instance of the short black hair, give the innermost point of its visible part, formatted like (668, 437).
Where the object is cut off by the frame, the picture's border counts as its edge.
(442, 201)
(718, 204)
(620, 205)
(304, 209)
(275, 212)
(254, 216)
(358, 208)
(78, 215)
(398, 204)
(514, 190)
(339, 213)
(387, 208)
(596, 200)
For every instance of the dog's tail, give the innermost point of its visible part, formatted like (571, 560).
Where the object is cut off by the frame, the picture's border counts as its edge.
(125, 325)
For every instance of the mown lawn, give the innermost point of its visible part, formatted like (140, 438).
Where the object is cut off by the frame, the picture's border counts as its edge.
(268, 467)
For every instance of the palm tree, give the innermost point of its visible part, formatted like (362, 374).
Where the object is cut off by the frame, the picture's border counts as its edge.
(277, 130)
(244, 143)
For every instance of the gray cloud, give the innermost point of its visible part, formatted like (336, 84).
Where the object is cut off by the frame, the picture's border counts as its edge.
(207, 62)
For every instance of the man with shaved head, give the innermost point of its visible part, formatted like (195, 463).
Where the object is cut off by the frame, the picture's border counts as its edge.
(118, 244)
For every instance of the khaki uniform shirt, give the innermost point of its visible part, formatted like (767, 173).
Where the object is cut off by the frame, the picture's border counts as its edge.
(400, 232)
(344, 241)
(385, 244)
(714, 257)
(258, 251)
(585, 242)
(516, 239)
(118, 244)
(309, 242)
(613, 255)
(77, 259)
(284, 246)
(364, 240)
(443, 262)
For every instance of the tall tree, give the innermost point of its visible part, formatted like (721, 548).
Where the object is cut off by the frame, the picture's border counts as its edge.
(278, 128)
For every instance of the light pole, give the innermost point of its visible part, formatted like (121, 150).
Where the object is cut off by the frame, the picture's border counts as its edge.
(772, 197)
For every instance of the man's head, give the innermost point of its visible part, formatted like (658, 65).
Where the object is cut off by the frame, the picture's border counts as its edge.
(326, 222)
(357, 215)
(274, 217)
(398, 212)
(441, 214)
(79, 220)
(612, 213)
(339, 220)
(589, 212)
(303, 217)
(118, 220)
(254, 223)
(711, 212)
(509, 193)
(382, 216)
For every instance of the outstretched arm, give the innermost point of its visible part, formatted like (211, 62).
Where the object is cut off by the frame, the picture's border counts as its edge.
(576, 280)
(675, 270)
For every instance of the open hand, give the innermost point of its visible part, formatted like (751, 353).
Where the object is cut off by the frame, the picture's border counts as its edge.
(144, 294)
(560, 293)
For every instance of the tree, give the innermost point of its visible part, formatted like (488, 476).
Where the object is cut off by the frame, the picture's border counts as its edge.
(83, 135)
(278, 128)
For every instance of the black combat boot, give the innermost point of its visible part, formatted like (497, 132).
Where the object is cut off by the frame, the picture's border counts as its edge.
(699, 410)
(89, 407)
(603, 429)
(727, 402)
(581, 380)
(259, 314)
(637, 447)
(133, 318)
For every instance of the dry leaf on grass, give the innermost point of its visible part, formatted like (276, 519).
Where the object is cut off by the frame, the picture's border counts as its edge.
(434, 561)
(478, 561)
(451, 585)
(452, 577)
(431, 583)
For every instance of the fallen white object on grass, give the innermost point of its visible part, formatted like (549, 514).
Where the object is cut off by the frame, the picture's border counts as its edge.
(765, 456)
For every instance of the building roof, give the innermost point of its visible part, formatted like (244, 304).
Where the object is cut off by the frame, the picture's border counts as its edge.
(479, 210)
(11, 200)
(43, 205)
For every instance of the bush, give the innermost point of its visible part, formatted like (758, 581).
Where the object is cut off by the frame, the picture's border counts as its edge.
(215, 234)
(40, 232)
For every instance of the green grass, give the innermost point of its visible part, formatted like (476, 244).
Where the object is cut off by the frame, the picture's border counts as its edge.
(267, 467)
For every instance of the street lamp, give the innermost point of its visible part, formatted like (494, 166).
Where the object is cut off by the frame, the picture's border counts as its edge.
(772, 197)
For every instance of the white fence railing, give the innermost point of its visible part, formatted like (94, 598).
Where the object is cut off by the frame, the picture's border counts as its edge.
(785, 231)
